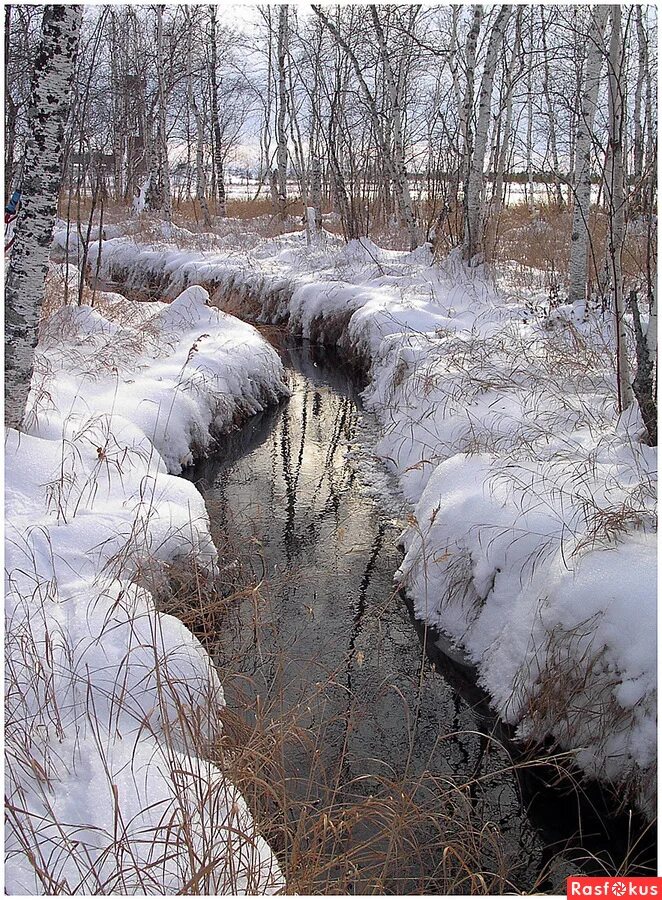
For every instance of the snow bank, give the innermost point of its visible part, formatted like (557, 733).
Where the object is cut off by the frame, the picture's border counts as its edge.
(112, 706)
(179, 373)
(528, 495)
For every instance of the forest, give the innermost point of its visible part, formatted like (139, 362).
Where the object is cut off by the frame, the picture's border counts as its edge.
(331, 447)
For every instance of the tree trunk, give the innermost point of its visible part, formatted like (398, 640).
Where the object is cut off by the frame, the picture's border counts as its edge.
(215, 123)
(281, 133)
(200, 132)
(158, 197)
(466, 110)
(397, 179)
(642, 71)
(504, 148)
(558, 193)
(529, 122)
(474, 218)
(583, 142)
(615, 194)
(400, 180)
(10, 114)
(644, 384)
(316, 198)
(42, 173)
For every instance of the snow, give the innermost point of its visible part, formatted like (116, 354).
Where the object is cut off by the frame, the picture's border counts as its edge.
(112, 708)
(528, 497)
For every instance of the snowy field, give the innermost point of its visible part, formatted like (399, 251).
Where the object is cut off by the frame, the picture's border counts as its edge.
(529, 497)
(112, 712)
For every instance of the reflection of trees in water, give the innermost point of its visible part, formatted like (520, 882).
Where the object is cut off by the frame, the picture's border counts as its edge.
(309, 496)
(292, 470)
(361, 600)
(294, 643)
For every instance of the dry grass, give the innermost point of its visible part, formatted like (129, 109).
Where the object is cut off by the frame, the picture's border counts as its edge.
(334, 833)
(538, 244)
(339, 828)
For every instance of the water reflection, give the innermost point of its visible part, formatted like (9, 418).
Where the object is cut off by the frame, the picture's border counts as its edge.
(327, 640)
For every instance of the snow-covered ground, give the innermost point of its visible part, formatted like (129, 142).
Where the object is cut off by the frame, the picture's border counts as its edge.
(531, 539)
(112, 708)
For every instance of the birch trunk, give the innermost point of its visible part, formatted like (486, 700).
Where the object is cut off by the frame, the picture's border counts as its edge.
(529, 122)
(583, 141)
(400, 183)
(638, 128)
(281, 133)
(558, 193)
(10, 113)
(200, 138)
(215, 123)
(50, 103)
(504, 147)
(400, 180)
(615, 194)
(316, 198)
(456, 177)
(474, 219)
(466, 131)
(158, 197)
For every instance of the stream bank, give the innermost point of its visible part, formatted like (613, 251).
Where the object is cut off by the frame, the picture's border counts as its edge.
(319, 641)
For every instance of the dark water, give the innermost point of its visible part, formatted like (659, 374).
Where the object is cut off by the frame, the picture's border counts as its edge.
(320, 638)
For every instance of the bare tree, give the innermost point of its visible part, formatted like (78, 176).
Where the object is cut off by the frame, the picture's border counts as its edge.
(42, 172)
(200, 194)
(216, 127)
(281, 133)
(159, 197)
(615, 195)
(474, 201)
(578, 274)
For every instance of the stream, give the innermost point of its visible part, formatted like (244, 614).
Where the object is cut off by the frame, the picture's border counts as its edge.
(314, 635)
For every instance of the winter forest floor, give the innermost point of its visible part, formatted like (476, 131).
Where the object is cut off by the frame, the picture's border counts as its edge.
(528, 533)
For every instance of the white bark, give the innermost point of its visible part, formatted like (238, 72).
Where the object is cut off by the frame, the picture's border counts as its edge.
(316, 197)
(158, 197)
(216, 126)
(638, 130)
(497, 199)
(474, 218)
(578, 273)
(200, 132)
(558, 193)
(400, 180)
(615, 195)
(529, 121)
(42, 172)
(281, 133)
(466, 132)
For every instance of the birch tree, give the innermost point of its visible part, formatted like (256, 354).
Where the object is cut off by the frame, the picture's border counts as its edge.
(216, 125)
(200, 195)
(578, 274)
(10, 112)
(397, 176)
(158, 196)
(558, 193)
(497, 200)
(615, 195)
(474, 204)
(281, 133)
(49, 107)
(401, 182)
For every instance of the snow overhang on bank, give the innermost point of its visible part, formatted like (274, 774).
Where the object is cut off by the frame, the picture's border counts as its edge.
(112, 707)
